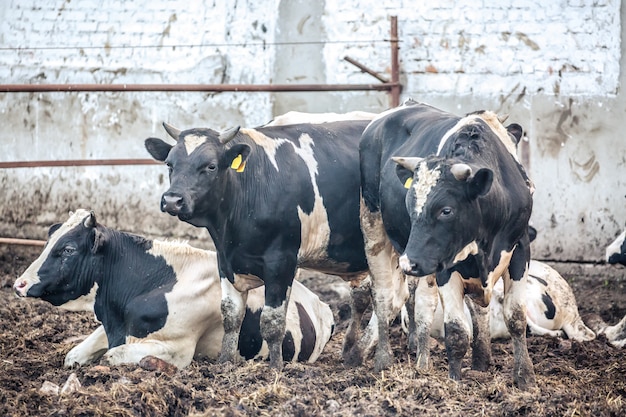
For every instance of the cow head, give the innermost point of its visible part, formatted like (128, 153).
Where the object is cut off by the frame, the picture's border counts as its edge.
(616, 251)
(198, 164)
(442, 201)
(54, 275)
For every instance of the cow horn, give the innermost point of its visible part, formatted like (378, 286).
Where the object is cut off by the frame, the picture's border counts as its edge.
(461, 171)
(171, 130)
(503, 118)
(409, 163)
(227, 135)
(90, 221)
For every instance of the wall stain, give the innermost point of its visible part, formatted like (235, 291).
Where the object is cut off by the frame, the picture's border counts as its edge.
(585, 171)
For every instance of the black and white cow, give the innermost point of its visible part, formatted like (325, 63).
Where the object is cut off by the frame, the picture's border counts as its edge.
(273, 198)
(551, 309)
(156, 298)
(616, 251)
(462, 224)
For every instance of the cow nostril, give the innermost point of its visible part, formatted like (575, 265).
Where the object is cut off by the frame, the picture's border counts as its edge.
(20, 285)
(171, 203)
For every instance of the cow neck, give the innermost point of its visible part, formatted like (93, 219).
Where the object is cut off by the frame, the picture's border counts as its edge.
(127, 272)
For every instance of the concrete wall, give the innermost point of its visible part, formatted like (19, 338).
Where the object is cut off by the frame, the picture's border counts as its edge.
(555, 67)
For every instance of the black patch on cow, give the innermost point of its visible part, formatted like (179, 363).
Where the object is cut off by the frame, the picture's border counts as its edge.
(541, 280)
(250, 339)
(289, 347)
(308, 334)
(550, 307)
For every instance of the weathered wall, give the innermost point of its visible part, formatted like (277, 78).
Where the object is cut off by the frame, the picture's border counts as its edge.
(555, 67)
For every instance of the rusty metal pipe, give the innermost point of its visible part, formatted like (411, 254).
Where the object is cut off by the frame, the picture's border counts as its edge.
(78, 162)
(25, 242)
(216, 88)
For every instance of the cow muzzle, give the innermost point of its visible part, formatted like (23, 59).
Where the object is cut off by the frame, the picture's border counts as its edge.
(412, 268)
(21, 287)
(172, 203)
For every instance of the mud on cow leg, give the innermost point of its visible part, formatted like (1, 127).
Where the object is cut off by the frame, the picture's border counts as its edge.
(457, 342)
(426, 300)
(361, 299)
(481, 338)
(273, 321)
(233, 311)
(515, 319)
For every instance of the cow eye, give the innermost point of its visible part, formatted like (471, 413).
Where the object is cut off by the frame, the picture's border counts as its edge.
(445, 212)
(211, 167)
(169, 167)
(68, 250)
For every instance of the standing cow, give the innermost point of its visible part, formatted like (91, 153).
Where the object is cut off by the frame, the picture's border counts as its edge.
(156, 298)
(448, 194)
(273, 199)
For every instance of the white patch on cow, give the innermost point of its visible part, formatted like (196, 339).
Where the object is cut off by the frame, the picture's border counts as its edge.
(30, 277)
(192, 142)
(491, 119)
(615, 246)
(497, 272)
(89, 350)
(616, 335)
(82, 303)
(451, 295)
(426, 181)
(470, 249)
(269, 145)
(256, 299)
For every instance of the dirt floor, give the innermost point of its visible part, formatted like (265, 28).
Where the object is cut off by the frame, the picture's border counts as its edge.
(586, 379)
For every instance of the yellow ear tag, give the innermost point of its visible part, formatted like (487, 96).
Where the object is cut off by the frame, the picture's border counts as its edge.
(408, 182)
(236, 162)
(241, 167)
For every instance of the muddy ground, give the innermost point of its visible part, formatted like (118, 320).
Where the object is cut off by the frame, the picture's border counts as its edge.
(587, 379)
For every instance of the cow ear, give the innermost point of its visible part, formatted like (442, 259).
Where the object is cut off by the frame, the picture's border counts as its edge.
(516, 131)
(158, 148)
(98, 240)
(405, 168)
(480, 183)
(54, 228)
(532, 233)
(236, 157)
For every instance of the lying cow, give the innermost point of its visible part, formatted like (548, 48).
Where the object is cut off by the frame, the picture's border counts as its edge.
(157, 298)
(446, 198)
(273, 199)
(551, 309)
(616, 251)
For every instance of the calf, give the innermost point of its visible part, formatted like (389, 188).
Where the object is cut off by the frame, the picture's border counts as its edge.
(616, 251)
(551, 309)
(448, 194)
(156, 298)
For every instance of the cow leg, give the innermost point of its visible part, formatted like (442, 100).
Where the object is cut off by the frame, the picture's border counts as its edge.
(455, 323)
(389, 287)
(361, 299)
(89, 350)
(481, 336)
(514, 310)
(178, 352)
(426, 298)
(233, 310)
(273, 322)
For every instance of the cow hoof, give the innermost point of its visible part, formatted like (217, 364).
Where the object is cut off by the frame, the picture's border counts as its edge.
(383, 361)
(353, 358)
(525, 381)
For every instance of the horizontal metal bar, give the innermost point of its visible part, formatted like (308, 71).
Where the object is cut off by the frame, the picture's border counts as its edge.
(78, 162)
(25, 242)
(40, 88)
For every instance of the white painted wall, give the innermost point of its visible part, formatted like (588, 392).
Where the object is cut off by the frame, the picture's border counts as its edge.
(555, 67)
